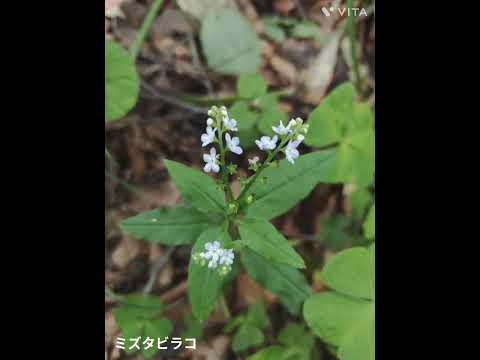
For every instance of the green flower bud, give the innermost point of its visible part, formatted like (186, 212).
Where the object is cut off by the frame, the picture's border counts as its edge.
(249, 199)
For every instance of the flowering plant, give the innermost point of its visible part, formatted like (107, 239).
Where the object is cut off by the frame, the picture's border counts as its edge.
(228, 230)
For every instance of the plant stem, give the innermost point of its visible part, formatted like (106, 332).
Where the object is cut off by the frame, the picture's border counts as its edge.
(145, 28)
(224, 306)
(223, 165)
(264, 165)
(353, 48)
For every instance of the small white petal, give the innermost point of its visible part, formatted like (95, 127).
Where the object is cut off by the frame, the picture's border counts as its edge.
(215, 167)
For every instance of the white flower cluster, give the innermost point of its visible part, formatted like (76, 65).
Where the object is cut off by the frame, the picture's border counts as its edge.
(292, 132)
(222, 124)
(216, 257)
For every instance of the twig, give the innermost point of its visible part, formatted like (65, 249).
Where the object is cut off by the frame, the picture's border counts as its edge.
(196, 62)
(156, 269)
(145, 28)
(172, 100)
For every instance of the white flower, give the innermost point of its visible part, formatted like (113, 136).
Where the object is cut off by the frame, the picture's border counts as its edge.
(209, 122)
(233, 144)
(230, 124)
(281, 129)
(292, 123)
(227, 257)
(253, 161)
(291, 151)
(265, 143)
(300, 139)
(211, 161)
(209, 137)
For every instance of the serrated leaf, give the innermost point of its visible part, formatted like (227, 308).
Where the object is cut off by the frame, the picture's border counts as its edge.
(122, 84)
(170, 226)
(283, 280)
(229, 43)
(262, 237)
(369, 225)
(251, 86)
(196, 188)
(288, 184)
(205, 284)
(247, 336)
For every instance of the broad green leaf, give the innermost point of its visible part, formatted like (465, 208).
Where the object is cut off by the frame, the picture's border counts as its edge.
(360, 200)
(205, 284)
(229, 43)
(245, 117)
(247, 336)
(257, 316)
(288, 184)
(197, 188)
(170, 226)
(274, 352)
(356, 157)
(268, 118)
(329, 120)
(122, 84)
(297, 338)
(334, 232)
(192, 328)
(250, 86)
(155, 329)
(369, 225)
(268, 101)
(138, 316)
(352, 272)
(345, 317)
(362, 118)
(274, 32)
(200, 8)
(283, 280)
(332, 315)
(279, 20)
(262, 237)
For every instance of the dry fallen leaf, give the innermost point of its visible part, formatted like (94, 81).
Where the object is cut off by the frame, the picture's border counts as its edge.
(126, 251)
(285, 69)
(112, 8)
(318, 76)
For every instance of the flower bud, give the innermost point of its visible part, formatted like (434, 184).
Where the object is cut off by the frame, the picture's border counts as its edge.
(249, 199)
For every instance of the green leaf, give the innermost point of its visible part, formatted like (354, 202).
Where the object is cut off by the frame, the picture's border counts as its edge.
(200, 8)
(369, 225)
(170, 226)
(154, 329)
(257, 316)
(288, 184)
(352, 273)
(122, 84)
(248, 136)
(268, 118)
(251, 86)
(262, 237)
(268, 101)
(274, 352)
(234, 323)
(296, 335)
(334, 232)
(138, 317)
(329, 120)
(192, 328)
(360, 200)
(338, 120)
(274, 32)
(245, 117)
(283, 280)
(307, 30)
(345, 317)
(247, 336)
(229, 43)
(197, 188)
(205, 284)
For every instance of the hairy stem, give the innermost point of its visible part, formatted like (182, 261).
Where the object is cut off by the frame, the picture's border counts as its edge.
(145, 28)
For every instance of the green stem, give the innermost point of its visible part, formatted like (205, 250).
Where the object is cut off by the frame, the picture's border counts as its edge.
(259, 171)
(353, 48)
(224, 306)
(223, 164)
(145, 28)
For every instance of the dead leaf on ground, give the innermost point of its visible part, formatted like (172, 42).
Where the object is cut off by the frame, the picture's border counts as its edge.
(284, 68)
(249, 292)
(318, 76)
(214, 351)
(126, 251)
